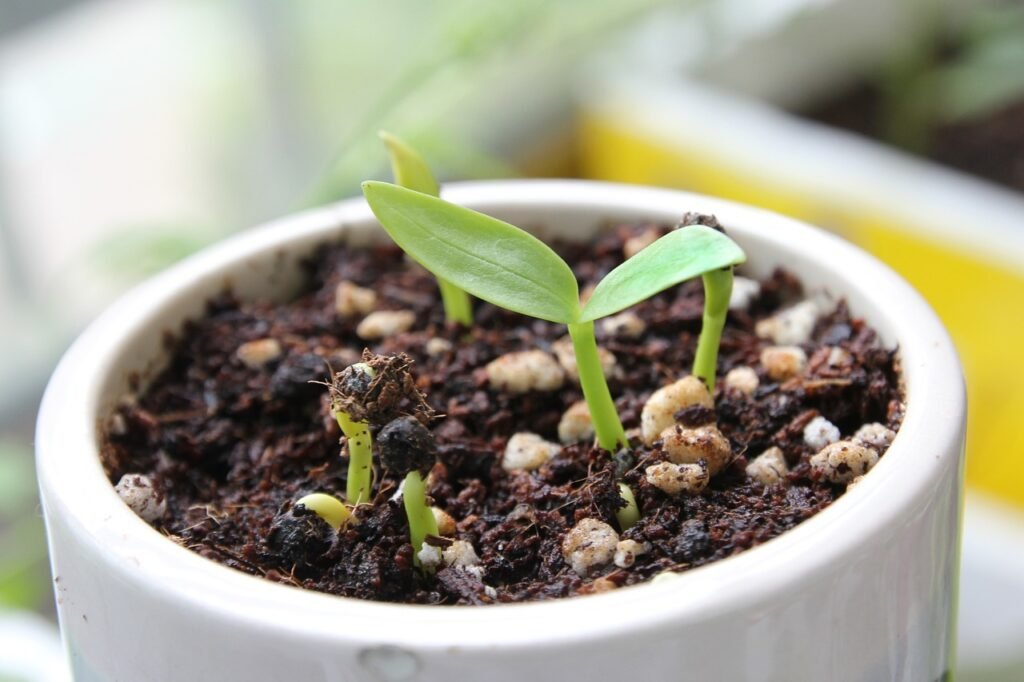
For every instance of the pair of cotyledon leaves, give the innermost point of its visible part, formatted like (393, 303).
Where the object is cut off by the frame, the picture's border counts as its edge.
(510, 268)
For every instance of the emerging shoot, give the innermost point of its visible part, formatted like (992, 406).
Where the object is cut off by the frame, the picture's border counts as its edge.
(374, 391)
(354, 381)
(511, 268)
(407, 448)
(328, 508)
(411, 171)
(627, 516)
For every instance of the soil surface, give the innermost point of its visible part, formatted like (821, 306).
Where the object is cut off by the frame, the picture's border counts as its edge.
(233, 447)
(989, 146)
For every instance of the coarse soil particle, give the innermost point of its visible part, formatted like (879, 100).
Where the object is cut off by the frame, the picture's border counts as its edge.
(234, 446)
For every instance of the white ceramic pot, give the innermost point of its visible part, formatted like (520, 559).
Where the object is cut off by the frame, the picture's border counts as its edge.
(865, 590)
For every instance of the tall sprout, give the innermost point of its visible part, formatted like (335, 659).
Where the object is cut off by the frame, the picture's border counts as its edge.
(508, 267)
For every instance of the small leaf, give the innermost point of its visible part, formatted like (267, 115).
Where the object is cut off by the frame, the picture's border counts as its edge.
(408, 167)
(488, 258)
(680, 255)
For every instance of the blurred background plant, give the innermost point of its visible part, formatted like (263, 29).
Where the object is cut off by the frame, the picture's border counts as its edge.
(134, 132)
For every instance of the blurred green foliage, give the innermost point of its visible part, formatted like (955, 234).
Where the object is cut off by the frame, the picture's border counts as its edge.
(945, 76)
(24, 575)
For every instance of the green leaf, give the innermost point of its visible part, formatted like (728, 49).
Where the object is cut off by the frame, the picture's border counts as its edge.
(680, 255)
(408, 167)
(488, 258)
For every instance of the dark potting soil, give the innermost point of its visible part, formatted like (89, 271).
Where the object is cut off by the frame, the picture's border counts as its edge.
(233, 447)
(990, 146)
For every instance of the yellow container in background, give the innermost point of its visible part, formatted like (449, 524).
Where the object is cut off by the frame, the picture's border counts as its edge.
(958, 240)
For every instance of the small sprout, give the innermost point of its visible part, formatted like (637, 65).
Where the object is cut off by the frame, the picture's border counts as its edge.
(627, 516)
(327, 507)
(819, 432)
(354, 382)
(875, 436)
(141, 495)
(659, 411)
(769, 467)
(411, 171)
(627, 551)
(843, 461)
(674, 478)
(527, 451)
(511, 268)
(259, 353)
(742, 380)
(783, 362)
(702, 443)
(576, 424)
(408, 449)
(525, 371)
(589, 545)
(351, 300)
(744, 291)
(382, 324)
(626, 325)
(376, 390)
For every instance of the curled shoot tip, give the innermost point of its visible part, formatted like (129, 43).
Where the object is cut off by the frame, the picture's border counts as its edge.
(411, 171)
(327, 507)
(510, 268)
(627, 516)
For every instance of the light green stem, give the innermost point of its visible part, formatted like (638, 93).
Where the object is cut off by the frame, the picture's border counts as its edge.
(328, 508)
(717, 290)
(610, 434)
(627, 516)
(457, 307)
(421, 519)
(360, 458)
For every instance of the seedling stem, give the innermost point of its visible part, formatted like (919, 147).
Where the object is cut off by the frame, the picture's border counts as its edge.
(421, 519)
(717, 291)
(360, 458)
(607, 426)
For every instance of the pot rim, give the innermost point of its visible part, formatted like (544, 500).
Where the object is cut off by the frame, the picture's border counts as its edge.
(74, 486)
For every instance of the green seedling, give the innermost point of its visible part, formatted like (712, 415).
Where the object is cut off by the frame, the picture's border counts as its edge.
(349, 386)
(407, 448)
(372, 392)
(627, 516)
(411, 171)
(717, 291)
(329, 508)
(510, 268)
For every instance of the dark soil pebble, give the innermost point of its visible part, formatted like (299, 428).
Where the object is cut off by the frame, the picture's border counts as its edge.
(233, 447)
